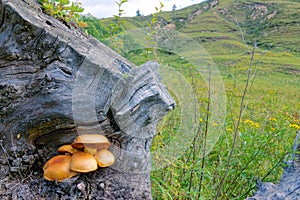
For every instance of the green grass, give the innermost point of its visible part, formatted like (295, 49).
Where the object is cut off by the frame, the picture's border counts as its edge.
(265, 137)
(271, 109)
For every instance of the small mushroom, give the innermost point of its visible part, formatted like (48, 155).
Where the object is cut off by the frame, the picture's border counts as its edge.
(90, 150)
(58, 168)
(83, 162)
(66, 149)
(104, 158)
(91, 142)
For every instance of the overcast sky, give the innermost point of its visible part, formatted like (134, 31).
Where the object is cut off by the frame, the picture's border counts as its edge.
(108, 8)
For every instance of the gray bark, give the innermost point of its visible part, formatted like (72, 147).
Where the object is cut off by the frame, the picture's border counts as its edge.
(56, 83)
(287, 189)
(289, 185)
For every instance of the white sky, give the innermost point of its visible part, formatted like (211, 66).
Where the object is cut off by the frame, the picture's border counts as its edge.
(108, 8)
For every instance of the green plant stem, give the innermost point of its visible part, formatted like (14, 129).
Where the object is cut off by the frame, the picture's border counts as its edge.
(269, 172)
(236, 132)
(205, 133)
(196, 137)
(245, 167)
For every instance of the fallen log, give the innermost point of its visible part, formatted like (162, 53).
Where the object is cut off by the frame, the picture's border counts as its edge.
(55, 83)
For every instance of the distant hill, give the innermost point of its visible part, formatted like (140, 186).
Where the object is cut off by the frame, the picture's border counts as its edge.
(230, 27)
(274, 24)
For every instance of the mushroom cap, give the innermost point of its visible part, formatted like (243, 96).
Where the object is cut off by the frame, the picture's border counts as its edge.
(58, 168)
(83, 162)
(95, 141)
(104, 158)
(90, 150)
(67, 148)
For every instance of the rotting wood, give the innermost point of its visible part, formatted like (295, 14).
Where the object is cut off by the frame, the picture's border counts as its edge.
(56, 82)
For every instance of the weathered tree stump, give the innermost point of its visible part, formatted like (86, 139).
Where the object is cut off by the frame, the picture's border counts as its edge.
(287, 189)
(289, 186)
(56, 83)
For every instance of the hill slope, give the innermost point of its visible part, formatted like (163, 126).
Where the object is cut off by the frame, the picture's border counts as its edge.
(227, 29)
(264, 21)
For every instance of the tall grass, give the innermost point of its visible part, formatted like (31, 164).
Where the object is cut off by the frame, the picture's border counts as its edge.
(254, 149)
(263, 138)
(262, 91)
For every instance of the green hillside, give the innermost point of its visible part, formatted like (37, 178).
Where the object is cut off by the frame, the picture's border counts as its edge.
(220, 26)
(264, 21)
(228, 30)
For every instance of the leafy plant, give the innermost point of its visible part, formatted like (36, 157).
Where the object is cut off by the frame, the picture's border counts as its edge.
(116, 27)
(95, 27)
(64, 11)
(265, 129)
(150, 36)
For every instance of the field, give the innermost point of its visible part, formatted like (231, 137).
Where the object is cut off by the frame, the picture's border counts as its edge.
(255, 48)
(264, 139)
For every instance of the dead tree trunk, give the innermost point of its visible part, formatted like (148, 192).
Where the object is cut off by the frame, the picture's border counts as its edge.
(56, 83)
(289, 186)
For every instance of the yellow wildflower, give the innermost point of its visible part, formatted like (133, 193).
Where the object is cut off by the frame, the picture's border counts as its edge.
(229, 129)
(214, 124)
(273, 119)
(248, 121)
(296, 126)
(251, 123)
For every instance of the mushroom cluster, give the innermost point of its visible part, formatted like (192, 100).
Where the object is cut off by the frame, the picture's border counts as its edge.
(85, 154)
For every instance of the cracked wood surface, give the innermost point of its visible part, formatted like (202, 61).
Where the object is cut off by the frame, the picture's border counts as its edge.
(56, 83)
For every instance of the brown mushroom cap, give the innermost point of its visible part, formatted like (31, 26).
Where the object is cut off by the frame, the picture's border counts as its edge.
(104, 158)
(53, 160)
(67, 148)
(83, 162)
(95, 141)
(58, 168)
(90, 150)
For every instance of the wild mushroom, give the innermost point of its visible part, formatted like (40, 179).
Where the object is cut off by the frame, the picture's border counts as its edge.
(66, 149)
(58, 168)
(91, 143)
(83, 162)
(104, 158)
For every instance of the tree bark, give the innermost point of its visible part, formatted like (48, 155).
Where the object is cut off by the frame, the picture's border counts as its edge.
(56, 83)
(289, 186)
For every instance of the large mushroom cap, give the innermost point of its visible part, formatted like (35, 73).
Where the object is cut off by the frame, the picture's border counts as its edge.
(67, 148)
(95, 141)
(104, 158)
(83, 162)
(58, 168)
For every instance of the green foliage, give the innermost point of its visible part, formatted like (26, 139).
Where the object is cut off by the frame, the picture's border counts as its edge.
(63, 10)
(266, 132)
(271, 115)
(95, 27)
(116, 27)
(151, 46)
(265, 138)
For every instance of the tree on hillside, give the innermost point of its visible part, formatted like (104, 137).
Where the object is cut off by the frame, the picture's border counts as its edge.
(138, 13)
(174, 8)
